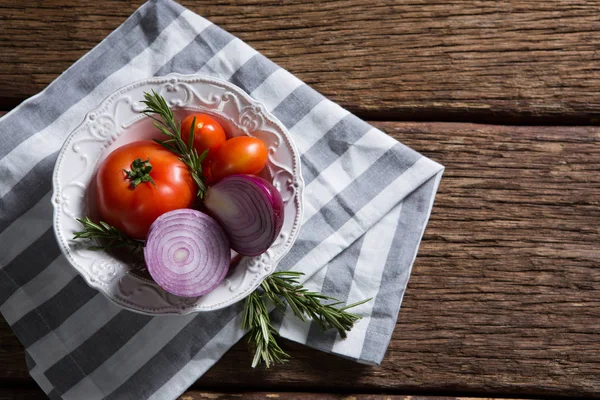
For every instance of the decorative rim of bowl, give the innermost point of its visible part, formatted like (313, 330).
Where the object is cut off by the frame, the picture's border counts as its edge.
(252, 115)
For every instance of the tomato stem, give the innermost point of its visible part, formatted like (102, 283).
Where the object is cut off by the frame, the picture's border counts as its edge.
(140, 172)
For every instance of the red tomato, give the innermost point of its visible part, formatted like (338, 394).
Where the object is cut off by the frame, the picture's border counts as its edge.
(132, 207)
(208, 133)
(206, 172)
(239, 155)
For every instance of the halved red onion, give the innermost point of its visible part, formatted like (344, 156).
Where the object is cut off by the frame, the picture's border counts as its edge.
(250, 210)
(187, 252)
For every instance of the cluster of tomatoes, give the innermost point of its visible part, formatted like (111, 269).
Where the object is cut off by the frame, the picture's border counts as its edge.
(238, 155)
(142, 180)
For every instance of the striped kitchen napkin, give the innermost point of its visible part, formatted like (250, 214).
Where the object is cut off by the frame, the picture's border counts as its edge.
(367, 201)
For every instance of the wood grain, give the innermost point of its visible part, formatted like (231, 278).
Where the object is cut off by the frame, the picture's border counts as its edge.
(30, 394)
(510, 61)
(22, 394)
(197, 395)
(503, 298)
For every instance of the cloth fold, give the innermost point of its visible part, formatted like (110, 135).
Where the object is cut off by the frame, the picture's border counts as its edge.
(367, 201)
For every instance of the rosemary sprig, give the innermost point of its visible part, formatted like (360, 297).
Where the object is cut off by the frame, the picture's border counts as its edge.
(111, 236)
(157, 105)
(262, 335)
(283, 288)
(284, 285)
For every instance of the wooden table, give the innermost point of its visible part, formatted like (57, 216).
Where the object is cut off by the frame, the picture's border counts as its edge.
(504, 298)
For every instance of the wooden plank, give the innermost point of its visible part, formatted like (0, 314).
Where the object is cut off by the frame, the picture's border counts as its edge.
(32, 393)
(503, 295)
(197, 395)
(12, 357)
(509, 61)
(35, 394)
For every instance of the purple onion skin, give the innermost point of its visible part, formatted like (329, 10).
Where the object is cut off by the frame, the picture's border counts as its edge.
(274, 197)
(234, 187)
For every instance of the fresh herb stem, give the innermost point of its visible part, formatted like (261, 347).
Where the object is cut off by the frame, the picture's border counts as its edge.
(157, 105)
(262, 335)
(283, 288)
(110, 236)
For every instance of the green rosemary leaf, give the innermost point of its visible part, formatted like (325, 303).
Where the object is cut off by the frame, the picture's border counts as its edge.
(156, 105)
(283, 288)
(109, 236)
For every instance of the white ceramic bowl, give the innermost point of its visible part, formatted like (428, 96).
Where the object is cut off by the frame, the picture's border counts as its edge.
(117, 121)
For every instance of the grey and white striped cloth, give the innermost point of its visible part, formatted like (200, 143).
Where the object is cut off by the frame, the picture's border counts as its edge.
(368, 199)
